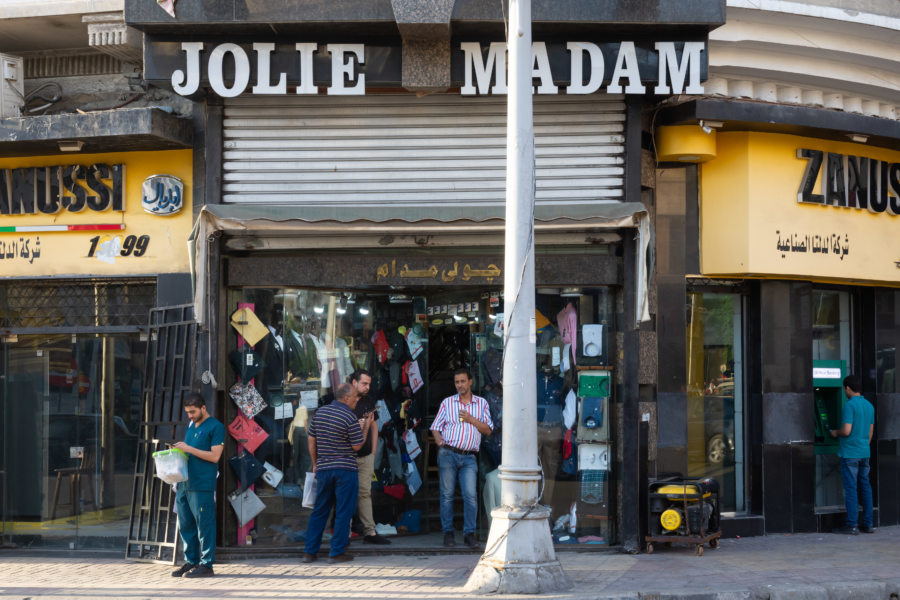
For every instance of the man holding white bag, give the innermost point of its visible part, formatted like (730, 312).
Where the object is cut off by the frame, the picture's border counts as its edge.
(195, 501)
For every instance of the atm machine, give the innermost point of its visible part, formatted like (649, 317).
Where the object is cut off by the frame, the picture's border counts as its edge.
(828, 397)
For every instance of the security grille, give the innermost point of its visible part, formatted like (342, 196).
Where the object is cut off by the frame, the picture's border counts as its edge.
(100, 306)
(400, 150)
(168, 374)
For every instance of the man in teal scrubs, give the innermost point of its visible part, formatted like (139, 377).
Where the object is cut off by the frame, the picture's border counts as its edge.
(858, 425)
(195, 498)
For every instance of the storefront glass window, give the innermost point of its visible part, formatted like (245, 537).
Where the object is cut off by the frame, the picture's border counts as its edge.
(715, 393)
(71, 405)
(410, 342)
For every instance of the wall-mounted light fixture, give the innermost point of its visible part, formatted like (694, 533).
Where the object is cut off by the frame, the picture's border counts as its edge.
(709, 126)
(858, 138)
(686, 143)
(70, 146)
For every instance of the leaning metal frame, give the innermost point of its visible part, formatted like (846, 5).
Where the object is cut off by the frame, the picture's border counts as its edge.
(168, 373)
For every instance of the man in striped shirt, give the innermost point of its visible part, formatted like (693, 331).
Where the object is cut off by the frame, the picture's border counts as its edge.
(460, 422)
(334, 436)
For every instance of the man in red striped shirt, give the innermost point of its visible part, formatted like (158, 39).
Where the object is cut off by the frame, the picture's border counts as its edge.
(460, 422)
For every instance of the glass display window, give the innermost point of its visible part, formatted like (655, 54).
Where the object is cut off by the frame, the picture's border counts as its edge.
(410, 342)
(715, 404)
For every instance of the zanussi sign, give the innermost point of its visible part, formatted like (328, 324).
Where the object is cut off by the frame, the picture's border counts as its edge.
(850, 181)
(577, 67)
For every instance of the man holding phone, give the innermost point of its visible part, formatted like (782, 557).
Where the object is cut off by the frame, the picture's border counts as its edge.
(365, 457)
(460, 422)
(195, 500)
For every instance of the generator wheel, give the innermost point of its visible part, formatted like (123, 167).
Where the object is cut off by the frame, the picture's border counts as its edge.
(650, 548)
(714, 543)
(699, 549)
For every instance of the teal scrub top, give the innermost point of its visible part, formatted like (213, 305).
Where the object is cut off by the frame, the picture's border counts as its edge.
(860, 413)
(202, 473)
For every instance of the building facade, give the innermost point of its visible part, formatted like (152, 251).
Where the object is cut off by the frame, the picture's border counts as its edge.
(777, 274)
(354, 160)
(96, 185)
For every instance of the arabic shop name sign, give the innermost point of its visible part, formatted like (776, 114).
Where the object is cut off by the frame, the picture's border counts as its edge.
(228, 67)
(850, 182)
(443, 271)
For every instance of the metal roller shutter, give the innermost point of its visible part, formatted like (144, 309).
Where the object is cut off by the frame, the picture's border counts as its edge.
(400, 150)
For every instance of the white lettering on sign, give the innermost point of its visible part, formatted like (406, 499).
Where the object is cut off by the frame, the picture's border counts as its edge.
(340, 67)
(674, 76)
(577, 49)
(484, 70)
(626, 66)
(241, 70)
(826, 373)
(668, 64)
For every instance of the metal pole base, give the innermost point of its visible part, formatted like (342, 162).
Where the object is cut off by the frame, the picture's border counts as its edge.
(519, 558)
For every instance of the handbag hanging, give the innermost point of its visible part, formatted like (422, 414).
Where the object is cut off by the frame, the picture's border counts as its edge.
(246, 505)
(246, 432)
(247, 398)
(247, 468)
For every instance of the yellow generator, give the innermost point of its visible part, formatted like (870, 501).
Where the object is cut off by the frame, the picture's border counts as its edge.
(685, 511)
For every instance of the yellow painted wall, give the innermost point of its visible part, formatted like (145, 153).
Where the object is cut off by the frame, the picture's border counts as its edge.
(67, 252)
(749, 203)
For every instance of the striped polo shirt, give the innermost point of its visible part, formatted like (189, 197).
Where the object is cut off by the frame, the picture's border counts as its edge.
(463, 436)
(336, 430)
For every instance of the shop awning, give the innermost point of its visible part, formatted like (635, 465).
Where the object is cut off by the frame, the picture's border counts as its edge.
(273, 220)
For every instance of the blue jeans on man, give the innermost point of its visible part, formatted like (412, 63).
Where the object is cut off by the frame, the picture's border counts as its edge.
(855, 476)
(337, 488)
(462, 467)
(197, 525)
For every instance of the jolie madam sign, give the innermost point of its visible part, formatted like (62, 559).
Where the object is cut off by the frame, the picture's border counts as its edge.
(267, 68)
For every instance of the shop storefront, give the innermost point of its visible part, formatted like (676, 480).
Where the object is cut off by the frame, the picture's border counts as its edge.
(355, 184)
(88, 245)
(410, 314)
(793, 285)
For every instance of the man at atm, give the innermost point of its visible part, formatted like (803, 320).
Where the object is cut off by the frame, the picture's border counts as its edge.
(858, 425)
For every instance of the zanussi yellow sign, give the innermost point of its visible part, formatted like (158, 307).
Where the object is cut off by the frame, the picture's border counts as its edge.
(95, 214)
(774, 205)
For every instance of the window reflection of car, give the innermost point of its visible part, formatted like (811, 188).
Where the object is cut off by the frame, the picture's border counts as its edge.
(718, 421)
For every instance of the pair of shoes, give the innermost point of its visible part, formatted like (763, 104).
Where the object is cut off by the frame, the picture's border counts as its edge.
(340, 558)
(448, 539)
(471, 542)
(865, 529)
(376, 539)
(846, 530)
(184, 569)
(308, 558)
(200, 571)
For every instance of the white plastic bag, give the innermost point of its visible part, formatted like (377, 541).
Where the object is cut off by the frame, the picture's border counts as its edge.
(171, 465)
(272, 476)
(309, 491)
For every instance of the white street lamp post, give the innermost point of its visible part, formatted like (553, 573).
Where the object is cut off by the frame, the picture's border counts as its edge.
(519, 556)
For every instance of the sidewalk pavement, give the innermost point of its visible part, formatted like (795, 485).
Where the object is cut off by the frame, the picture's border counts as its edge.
(775, 567)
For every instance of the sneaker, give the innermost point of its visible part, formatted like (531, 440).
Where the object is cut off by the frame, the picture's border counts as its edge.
(376, 539)
(340, 558)
(448, 539)
(471, 542)
(865, 529)
(200, 571)
(846, 530)
(184, 569)
(308, 558)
